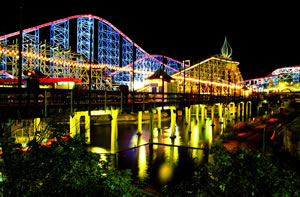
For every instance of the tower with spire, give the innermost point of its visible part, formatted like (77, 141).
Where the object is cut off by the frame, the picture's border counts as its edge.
(226, 50)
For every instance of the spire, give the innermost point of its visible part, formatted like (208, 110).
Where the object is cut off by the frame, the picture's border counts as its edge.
(226, 50)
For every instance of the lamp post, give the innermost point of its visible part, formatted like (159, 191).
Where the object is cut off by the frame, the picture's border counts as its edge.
(184, 77)
(20, 47)
(90, 70)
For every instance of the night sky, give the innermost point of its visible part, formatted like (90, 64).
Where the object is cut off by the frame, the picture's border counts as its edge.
(263, 36)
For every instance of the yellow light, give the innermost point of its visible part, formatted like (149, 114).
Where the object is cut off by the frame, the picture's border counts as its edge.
(142, 163)
(98, 112)
(165, 172)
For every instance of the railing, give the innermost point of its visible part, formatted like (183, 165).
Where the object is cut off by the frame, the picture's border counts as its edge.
(10, 97)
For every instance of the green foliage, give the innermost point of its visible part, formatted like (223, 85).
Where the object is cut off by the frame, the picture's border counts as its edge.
(240, 173)
(65, 168)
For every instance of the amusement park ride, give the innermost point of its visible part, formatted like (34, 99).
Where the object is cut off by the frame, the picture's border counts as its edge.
(105, 57)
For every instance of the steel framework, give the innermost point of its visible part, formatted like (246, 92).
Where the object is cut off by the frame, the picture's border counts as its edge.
(3, 59)
(285, 74)
(59, 34)
(85, 36)
(117, 58)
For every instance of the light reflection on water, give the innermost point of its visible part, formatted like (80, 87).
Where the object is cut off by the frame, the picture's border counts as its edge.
(168, 159)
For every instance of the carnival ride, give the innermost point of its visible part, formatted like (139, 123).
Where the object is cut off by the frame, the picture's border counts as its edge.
(285, 79)
(106, 56)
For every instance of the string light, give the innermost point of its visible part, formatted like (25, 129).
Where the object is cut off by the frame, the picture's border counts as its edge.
(11, 52)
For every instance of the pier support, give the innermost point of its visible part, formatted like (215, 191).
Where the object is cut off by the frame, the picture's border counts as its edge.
(140, 122)
(114, 130)
(173, 121)
(241, 110)
(36, 124)
(197, 112)
(212, 109)
(202, 107)
(220, 110)
(75, 124)
(158, 118)
(188, 115)
(151, 125)
(248, 108)
(231, 110)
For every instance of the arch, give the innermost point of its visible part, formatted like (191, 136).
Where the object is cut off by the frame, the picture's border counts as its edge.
(232, 108)
(248, 108)
(75, 124)
(241, 111)
(220, 110)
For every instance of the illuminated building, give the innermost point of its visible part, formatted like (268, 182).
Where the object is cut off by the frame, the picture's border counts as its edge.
(156, 82)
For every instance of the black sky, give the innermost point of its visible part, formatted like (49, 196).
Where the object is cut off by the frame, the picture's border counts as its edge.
(263, 36)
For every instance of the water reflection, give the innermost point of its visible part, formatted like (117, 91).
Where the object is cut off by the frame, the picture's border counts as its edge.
(101, 151)
(142, 163)
(168, 157)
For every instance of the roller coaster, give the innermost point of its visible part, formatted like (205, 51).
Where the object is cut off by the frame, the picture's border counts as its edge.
(112, 56)
(285, 79)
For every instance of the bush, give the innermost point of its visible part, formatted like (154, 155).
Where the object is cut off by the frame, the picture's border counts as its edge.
(65, 168)
(241, 173)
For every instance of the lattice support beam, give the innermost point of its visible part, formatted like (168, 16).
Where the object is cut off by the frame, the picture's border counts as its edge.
(85, 32)
(3, 58)
(59, 34)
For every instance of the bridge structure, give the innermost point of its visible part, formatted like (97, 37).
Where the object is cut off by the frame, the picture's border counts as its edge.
(69, 47)
(36, 108)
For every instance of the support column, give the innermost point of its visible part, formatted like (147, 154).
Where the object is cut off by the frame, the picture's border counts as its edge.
(114, 131)
(197, 112)
(231, 110)
(239, 114)
(238, 110)
(173, 121)
(248, 108)
(140, 122)
(212, 115)
(187, 115)
(87, 126)
(74, 125)
(202, 114)
(158, 118)
(45, 103)
(220, 110)
(37, 124)
(227, 113)
(151, 125)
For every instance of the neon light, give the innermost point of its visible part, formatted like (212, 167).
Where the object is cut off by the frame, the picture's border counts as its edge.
(69, 63)
(69, 18)
(128, 66)
(204, 61)
(7, 74)
(207, 82)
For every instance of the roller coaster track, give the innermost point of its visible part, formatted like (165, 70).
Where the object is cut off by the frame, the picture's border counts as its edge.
(110, 35)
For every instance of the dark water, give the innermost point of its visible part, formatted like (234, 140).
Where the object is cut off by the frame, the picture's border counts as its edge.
(167, 160)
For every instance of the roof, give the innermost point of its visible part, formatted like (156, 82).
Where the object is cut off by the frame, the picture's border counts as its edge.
(158, 73)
